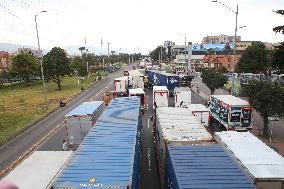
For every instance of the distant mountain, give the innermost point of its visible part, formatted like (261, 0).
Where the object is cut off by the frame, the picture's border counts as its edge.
(11, 48)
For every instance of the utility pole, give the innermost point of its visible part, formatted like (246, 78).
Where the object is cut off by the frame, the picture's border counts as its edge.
(86, 56)
(108, 48)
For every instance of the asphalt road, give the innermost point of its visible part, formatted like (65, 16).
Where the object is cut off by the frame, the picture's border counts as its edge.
(10, 151)
(149, 171)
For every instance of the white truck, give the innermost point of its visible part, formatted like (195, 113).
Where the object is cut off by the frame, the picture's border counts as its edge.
(121, 85)
(182, 97)
(136, 79)
(80, 120)
(200, 112)
(160, 96)
(139, 92)
(39, 170)
(231, 112)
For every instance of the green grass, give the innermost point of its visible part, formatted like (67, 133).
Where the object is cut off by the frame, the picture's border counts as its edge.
(21, 105)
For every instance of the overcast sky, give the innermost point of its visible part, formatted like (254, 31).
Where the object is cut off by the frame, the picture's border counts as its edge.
(134, 24)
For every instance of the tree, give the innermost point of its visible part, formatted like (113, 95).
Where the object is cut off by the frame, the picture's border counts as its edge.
(24, 65)
(267, 98)
(79, 66)
(56, 65)
(278, 58)
(279, 28)
(155, 54)
(210, 51)
(213, 79)
(254, 59)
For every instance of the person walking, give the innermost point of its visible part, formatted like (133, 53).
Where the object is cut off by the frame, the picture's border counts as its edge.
(65, 145)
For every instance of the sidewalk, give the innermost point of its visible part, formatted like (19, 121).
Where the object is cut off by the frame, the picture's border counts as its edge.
(277, 142)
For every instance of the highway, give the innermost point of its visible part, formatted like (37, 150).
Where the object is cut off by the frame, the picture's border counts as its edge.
(149, 170)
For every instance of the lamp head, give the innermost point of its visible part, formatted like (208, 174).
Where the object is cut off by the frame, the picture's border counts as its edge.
(214, 1)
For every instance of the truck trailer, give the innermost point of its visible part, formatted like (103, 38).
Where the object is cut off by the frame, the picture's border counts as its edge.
(176, 126)
(182, 97)
(201, 113)
(160, 96)
(109, 156)
(231, 112)
(261, 163)
(121, 85)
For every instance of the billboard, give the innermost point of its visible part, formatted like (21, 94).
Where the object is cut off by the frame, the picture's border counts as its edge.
(242, 45)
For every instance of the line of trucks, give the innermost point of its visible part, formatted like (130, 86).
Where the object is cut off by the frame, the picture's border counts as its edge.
(188, 155)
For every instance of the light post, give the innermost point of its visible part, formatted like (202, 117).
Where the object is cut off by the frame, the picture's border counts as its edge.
(185, 66)
(40, 60)
(235, 41)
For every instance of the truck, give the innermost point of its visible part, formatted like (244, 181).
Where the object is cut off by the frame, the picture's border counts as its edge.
(140, 93)
(80, 120)
(160, 96)
(262, 163)
(231, 112)
(178, 127)
(39, 169)
(110, 155)
(161, 78)
(121, 85)
(201, 113)
(135, 79)
(182, 97)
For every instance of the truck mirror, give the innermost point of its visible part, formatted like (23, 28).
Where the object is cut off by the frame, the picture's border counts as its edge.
(152, 118)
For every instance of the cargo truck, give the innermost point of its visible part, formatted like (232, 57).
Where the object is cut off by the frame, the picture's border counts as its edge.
(201, 113)
(203, 166)
(182, 97)
(121, 85)
(136, 79)
(80, 120)
(176, 126)
(161, 78)
(231, 112)
(39, 169)
(140, 93)
(160, 96)
(261, 163)
(109, 156)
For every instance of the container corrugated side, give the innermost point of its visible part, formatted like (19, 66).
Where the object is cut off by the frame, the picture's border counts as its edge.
(109, 156)
(258, 159)
(203, 167)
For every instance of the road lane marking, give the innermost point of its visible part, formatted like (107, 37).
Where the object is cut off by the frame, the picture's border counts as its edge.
(148, 123)
(149, 159)
(11, 166)
(147, 106)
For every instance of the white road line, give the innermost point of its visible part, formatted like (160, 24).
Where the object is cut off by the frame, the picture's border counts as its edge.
(148, 123)
(149, 159)
(147, 106)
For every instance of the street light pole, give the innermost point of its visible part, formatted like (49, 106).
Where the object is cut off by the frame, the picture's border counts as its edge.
(185, 66)
(40, 60)
(235, 41)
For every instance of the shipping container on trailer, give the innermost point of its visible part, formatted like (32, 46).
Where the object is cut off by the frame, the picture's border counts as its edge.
(139, 92)
(121, 85)
(231, 112)
(39, 169)
(182, 97)
(263, 164)
(177, 126)
(109, 156)
(201, 113)
(160, 96)
(81, 119)
(136, 79)
(161, 78)
(203, 166)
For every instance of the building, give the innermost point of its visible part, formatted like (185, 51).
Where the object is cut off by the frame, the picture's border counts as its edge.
(5, 60)
(220, 39)
(23, 50)
(225, 61)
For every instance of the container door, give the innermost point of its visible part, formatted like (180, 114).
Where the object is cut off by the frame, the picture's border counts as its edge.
(161, 99)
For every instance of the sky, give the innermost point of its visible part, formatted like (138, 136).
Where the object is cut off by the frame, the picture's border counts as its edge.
(134, 25)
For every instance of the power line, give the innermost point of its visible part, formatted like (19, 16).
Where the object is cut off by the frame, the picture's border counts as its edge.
(5, 9)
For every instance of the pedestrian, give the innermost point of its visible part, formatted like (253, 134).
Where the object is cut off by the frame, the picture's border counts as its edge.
(65, 145)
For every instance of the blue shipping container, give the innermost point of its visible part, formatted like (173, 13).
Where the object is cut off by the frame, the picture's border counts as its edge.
(109, 156)
(158, 78)
(203, 167)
